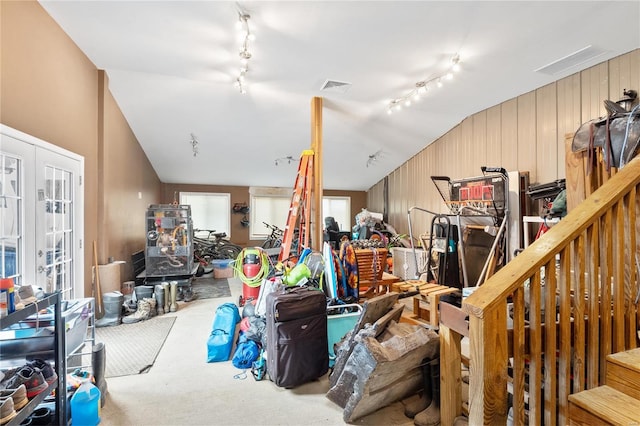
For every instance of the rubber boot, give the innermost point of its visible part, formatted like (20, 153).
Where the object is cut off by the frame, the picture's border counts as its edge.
(112, 309)
(174, 294)
(416, 405)
(159, 292)
(167, 296)
(431, 415)
(99, 365)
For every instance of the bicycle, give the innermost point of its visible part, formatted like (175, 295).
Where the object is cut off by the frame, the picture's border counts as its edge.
(213, 246)
(274, 239)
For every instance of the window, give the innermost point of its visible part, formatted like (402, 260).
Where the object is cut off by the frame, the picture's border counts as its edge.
(268, 205)
(340, 209)
(271, 205)
(11, 239)
(211, 211)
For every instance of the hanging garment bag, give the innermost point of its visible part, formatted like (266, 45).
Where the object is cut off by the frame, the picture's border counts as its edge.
(296, 336)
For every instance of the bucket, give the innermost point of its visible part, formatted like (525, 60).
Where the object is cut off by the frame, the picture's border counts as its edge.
(127, 287)
(143, 291)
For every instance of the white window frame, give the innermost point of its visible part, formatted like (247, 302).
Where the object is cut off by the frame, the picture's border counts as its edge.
(343, 220)
(226, 210)
(263, 194)
(282, 196)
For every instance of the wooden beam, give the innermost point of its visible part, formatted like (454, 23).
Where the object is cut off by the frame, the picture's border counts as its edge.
(316, 146)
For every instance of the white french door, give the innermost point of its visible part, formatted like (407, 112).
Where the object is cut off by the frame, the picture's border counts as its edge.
(42, 230)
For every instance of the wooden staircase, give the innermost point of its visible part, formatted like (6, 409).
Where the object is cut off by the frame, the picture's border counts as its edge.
(615, 403)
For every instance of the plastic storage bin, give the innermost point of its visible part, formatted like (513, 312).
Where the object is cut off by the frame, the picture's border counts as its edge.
(35, 335)
(339, 325)
(222, 268)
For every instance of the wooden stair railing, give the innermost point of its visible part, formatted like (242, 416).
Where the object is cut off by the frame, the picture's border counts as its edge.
(589, 262)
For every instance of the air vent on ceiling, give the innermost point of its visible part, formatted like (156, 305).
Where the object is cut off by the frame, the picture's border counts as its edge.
(335, 86)
(576, 58)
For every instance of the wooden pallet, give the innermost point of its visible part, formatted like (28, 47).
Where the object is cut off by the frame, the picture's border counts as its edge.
(426, 304)
(410, 285)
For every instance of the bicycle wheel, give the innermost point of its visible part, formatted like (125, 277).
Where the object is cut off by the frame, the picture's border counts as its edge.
(228, 251)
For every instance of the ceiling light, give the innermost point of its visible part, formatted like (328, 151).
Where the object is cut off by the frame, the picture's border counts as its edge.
(374, 157)
(288, 159)
(455, 63)
(244, 53)
(194, 144)
(422, 87)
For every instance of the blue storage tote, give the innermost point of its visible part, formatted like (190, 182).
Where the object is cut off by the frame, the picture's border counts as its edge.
(340, 324)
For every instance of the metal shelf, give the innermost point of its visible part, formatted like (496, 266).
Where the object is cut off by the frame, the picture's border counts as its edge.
(55, 300)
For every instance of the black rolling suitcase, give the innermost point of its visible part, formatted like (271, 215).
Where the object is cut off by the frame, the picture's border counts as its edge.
(297, 349)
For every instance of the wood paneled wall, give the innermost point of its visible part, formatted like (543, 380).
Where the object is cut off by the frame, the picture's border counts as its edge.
(526, 134)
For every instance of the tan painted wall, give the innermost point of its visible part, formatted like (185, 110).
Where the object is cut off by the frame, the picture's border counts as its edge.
(526, 133)
(129, 184)
(240, 194)
(50, 89)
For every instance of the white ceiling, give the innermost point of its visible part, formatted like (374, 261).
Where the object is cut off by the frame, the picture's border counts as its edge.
(172, 64)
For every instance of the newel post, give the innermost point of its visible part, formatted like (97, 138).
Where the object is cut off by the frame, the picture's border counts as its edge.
(488, 366)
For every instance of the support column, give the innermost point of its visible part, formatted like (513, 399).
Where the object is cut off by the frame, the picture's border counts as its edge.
(316, 145)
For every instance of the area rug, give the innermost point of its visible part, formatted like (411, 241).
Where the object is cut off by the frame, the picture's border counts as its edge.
(133, 348)
(211, 288)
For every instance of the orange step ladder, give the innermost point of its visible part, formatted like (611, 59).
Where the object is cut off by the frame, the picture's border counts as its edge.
(300, 208)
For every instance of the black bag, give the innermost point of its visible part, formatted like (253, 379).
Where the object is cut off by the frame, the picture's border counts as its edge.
(297, 348)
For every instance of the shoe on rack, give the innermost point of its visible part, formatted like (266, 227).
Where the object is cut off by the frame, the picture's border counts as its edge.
(6, 375)
(7, 410)
(45, 368)
(143, 312)
(26, 294)
(41, 416)
(31, 378)
(19, 396)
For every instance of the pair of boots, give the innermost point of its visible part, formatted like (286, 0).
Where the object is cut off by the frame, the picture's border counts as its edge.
(426, 410)
(166, 297)
(146, 309)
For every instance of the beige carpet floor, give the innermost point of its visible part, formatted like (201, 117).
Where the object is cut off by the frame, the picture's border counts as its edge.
(183, 389)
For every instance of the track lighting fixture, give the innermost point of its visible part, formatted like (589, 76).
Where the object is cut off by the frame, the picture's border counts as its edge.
(424, 86)
(288, 159)
(245, 55)
(374, 157)
(194, 144)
